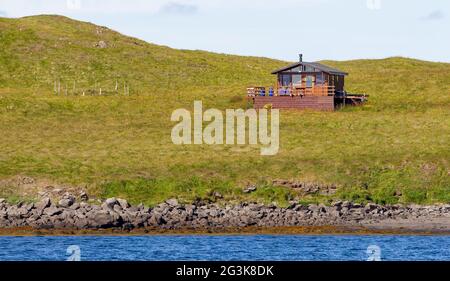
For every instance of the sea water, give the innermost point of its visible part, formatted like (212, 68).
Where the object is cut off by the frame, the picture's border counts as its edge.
(225, 248)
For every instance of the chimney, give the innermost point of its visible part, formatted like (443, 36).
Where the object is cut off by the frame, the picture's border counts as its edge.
(300, 57)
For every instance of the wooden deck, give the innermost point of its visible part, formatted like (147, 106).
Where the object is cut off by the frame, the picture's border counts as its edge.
(318, 97)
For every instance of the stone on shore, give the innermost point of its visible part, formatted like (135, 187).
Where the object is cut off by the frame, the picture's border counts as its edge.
(44, 203)
(172, 202)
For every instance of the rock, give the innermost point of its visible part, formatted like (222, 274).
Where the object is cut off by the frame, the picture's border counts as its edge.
(172, 202)
(313, 208)
(300, 207)
(101, 44)
(217, 195)
(140, 220)
(81, 223)
(27, 180)
(84, 205)
(100, 219)
(213, 213)
(51, 211)
(75, 206)
(127, 226)
(83, 196)
(117, 209)
(44, 203)
(66, 202)
(133, 209)
(201, 202)
(337, 204)
(43, 194)
(322, 208)
(23, 212)
(250, 189)
(336, 213)
(109, 204)
(123, 203)
(292, 204)
(29, 207)
(111, 201)
(2, 200)
(346, 204)
(370, 207)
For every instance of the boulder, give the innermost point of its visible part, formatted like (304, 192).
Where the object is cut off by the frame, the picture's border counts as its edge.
(52, 211)
(99, 218)
(109, 204)
(66, 202)
(103, 219)
(140, 220)
(44, 203)
(117, 209)
(250, 189)
(337, 204)
(85, 205)
(217, 195)
(370, 207)
(123, 203)
(75, 206)
(81, 223)
(29, 207)
(27, 180)
(172, 202)
(101, 44)
(83, 196)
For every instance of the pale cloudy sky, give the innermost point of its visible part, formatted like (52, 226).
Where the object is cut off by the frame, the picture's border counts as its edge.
(320, 29)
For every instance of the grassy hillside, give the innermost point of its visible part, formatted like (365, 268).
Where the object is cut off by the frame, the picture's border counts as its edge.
(392, 150)
(37, 51)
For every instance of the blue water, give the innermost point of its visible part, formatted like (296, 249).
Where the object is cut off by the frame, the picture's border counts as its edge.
(225, 248)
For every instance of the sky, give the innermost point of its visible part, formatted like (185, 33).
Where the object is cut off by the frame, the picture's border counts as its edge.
(281, 29)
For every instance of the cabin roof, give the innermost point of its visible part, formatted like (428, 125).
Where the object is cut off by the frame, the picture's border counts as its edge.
(317, 65)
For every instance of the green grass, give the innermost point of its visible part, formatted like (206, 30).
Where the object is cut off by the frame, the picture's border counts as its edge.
(154, 191)
(120, 145)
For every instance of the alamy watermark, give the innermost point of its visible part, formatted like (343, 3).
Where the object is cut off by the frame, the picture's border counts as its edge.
(373, 4)
(373, 253)
(74, 253)
(234, 123)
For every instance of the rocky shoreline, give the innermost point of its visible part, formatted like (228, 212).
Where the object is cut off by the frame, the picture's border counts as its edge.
(114, 213)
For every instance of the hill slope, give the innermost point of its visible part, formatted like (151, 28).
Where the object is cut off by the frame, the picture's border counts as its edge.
(394, 149)
(40, 49)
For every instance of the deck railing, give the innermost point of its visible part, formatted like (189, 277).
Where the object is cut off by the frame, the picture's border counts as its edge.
(316, 90)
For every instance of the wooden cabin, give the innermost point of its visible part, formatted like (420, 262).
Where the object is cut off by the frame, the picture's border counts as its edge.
(305, 85)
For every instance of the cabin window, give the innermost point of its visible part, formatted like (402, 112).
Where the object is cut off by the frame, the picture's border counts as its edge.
(296, 69)
(285, 79)
(297, 79)
(320, 79)
(309, 81)
(309, 69)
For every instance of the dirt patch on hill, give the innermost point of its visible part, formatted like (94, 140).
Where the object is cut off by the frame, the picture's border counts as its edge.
(307, 188)
(26, 187)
